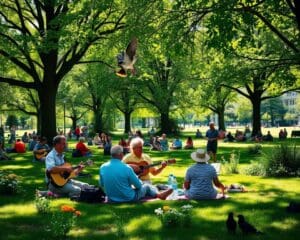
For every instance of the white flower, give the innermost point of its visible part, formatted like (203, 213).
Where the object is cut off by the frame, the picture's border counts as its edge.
(159, 211)
(187, 207)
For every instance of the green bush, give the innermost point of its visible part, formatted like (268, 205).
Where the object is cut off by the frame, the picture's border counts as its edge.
(231, 166)
(255, 169)
(283, 161)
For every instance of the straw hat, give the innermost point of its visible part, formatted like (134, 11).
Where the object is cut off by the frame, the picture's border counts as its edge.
(200, 156)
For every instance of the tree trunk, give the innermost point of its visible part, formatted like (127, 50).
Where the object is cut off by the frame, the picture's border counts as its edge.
(98, 121)
(221, 120)
(166, 126)
(256, 118)
(47, 96)
(127, 116)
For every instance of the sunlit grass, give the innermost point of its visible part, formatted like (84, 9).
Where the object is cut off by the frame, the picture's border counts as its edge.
(263, 205)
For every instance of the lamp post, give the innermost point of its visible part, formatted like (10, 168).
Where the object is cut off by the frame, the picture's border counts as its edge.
(65, 117)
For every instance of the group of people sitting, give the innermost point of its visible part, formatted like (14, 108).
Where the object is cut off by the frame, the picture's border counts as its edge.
(158, 143)
(127, 178)
(241, 136)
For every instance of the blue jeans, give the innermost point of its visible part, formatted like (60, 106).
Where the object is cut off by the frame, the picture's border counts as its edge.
(145, 190)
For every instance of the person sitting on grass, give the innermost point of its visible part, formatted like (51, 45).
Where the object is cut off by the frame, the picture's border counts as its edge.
(200, 177)
(18, 147)
(156, 146)
(55, 164)
(82, 148)
(120, 182)
(41, 149)
(177, 144)
(189, 143)
(164, 142)
(3, 155)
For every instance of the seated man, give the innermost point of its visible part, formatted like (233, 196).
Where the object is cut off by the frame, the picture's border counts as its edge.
(55, 165)
(82, 148)
(3, 155)
(121, 183)
(199, 179)
(177, 144)
(268, 137)
(138, 158)
(19, 146)
(198, 134)
(164, 142)
(155, 146)
(41, 150)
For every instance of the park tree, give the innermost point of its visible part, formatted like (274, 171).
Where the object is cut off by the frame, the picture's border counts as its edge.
(161, 86)
(12, 120)
(45, 39)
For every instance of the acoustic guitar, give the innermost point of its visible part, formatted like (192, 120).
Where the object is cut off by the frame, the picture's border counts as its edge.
(142, 168)
(41, 153)
(61, 178)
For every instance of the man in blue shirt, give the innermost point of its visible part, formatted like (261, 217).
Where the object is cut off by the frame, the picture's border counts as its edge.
(121, 183)
(212, 135)
(55, 163)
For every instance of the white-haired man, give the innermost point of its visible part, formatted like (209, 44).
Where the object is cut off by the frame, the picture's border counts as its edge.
(121, 183)
(137, 156)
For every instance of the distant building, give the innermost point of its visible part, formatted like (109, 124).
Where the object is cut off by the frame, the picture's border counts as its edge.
(289, 101)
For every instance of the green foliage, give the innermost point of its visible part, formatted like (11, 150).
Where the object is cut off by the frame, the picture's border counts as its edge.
(12, 120)
(171, 217)
(60, 224)
(42, 204)
(9, 182)
(255, 169)
(255, 149)
(231, 166)
(283, 161)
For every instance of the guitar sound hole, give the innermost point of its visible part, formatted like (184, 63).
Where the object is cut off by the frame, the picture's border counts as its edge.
(65, 175)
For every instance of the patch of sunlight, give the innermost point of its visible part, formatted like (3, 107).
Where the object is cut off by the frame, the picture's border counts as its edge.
(144, 222)
(285, 224)
(79, 232)
(11, 167)
(13, 210)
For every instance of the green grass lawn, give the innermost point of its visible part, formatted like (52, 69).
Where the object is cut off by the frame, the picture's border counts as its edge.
(264, 204)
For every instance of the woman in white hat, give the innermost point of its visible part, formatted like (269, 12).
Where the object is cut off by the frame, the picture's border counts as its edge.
(201, 177)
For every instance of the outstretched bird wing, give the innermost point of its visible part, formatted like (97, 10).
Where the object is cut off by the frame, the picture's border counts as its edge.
(131, 49)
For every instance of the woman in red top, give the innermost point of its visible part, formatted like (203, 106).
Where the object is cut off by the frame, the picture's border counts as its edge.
(189, 143)
(82, 148)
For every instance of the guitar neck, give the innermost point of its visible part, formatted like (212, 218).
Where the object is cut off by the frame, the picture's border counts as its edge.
(155, 164)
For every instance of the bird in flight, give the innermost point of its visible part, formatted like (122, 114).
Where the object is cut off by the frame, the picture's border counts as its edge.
(126, 59)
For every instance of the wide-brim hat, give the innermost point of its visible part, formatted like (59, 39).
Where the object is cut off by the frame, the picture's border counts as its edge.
(200, 156)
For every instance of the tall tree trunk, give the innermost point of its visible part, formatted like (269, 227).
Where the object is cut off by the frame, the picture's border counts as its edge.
(256, 118)
(127, 116)
(221, 120)
(47, 96)
(165, 123)
(98, 114)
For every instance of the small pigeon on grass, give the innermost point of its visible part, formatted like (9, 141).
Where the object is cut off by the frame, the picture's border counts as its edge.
(231, 223)
(126, 59)
(246, 227)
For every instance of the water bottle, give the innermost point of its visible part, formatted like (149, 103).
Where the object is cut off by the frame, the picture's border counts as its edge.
(174, 183)
(170, 180)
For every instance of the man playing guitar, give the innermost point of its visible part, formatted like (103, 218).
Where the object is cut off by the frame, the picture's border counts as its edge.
(41, 149)
(55, 164)
(137, 156)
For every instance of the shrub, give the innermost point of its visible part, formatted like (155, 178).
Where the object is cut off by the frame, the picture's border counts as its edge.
(9, 182)
(255, 149)
(171, 217)
(231, 166)
(255, 169)
(283, 161)
(61, 222)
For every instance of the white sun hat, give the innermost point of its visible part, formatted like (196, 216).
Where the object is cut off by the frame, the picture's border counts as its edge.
(200, 156)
